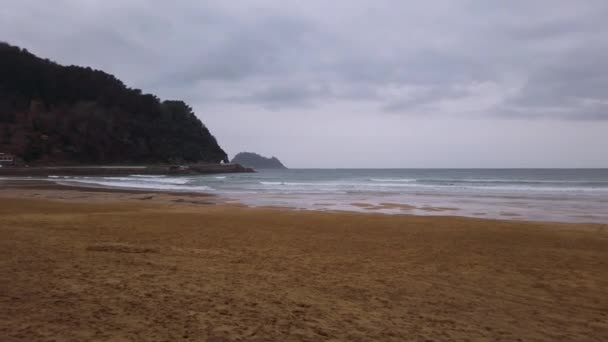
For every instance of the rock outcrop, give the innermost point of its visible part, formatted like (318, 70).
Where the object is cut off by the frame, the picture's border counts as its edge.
(256, 161)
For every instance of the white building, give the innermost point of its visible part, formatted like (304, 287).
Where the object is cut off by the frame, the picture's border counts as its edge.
(7, 159)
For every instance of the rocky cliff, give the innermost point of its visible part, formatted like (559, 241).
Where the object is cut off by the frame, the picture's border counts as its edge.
(256, 161)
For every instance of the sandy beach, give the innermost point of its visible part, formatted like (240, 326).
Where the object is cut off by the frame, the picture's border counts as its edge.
(80, 264)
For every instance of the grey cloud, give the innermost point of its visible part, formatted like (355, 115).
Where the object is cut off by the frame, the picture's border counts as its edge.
(424, 97)
(265, 47)
(573, 86)
(277, 97)
(285, 55)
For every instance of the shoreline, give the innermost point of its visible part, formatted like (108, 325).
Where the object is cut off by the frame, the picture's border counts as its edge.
(102, 265)
(52, 191)
(396, 209)
(53, 184)
(122, 170)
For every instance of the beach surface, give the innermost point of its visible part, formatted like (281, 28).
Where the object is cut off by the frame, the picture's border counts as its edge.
(95, 264)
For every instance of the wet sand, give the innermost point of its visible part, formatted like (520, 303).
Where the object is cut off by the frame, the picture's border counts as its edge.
(79, 264)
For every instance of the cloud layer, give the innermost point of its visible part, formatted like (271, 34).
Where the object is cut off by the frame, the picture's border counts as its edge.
(517, 58)
(336, 61)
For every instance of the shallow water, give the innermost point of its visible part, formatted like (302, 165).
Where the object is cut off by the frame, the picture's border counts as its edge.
(568, 195)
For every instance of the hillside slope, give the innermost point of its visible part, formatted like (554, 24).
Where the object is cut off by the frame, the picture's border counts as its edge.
(54, 114)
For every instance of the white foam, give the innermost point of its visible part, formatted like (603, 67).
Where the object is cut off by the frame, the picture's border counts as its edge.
(513, 181)
(151, 180)
(149, 176)
(413, 186)
(272, 183)
(336, 185)
(136, 185)
(397, 180)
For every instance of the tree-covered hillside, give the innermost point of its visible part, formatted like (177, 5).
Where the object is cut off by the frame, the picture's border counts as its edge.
(51, 113)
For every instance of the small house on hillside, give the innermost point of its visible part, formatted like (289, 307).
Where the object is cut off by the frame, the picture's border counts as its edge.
(7, 159)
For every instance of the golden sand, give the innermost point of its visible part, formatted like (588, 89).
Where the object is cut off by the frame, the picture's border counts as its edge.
(94, 265)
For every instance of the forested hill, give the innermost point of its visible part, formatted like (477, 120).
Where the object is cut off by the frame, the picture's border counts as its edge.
(52, 114)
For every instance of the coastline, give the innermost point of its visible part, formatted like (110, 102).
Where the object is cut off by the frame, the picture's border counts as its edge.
(122, 170)
(77, 193)
(356, 205)
(81, 263)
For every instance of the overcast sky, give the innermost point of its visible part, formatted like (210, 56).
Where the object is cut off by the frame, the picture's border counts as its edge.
(355, 83)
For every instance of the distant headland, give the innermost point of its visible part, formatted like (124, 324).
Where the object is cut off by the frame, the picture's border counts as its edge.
(55, 115)
(256, 161)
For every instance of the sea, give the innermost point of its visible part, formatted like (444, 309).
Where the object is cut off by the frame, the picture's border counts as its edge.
(560, 195)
